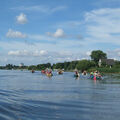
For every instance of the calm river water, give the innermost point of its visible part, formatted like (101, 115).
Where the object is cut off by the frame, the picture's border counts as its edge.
(27, 96)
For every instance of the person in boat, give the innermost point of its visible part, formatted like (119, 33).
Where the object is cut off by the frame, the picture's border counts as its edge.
(43, 71)
(91, 75)
(49, 73)
(77, 74)
(97, 75)
(84, 72)
(60, 72)
(33, 71)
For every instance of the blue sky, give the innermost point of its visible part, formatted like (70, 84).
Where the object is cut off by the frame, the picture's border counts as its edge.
(37, 31)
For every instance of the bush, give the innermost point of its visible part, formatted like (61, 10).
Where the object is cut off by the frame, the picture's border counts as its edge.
(109, 70)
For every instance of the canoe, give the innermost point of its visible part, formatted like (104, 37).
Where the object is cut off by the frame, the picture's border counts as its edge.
(33, 71)
(43, 71)
(60, 72)
(76, 75)
(97, 78)
(49, 74)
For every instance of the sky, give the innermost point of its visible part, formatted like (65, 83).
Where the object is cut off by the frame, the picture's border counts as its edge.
(37, 31)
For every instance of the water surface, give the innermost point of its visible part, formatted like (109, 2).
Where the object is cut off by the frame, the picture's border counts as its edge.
(27, 96)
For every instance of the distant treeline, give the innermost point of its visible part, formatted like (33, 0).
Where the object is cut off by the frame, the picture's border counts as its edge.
(80, 65)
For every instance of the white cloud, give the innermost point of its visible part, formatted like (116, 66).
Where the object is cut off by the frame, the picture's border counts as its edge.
(43, 52)
(15, 34)
(88, 53)
(36, 55)
(43, 56)
(21, 19)
(102, 25)
(18, 53)
(40, 53)
(58, 34)
(114, 54)
(28, 53)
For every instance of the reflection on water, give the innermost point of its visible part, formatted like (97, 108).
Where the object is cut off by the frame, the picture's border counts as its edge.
(27, 96)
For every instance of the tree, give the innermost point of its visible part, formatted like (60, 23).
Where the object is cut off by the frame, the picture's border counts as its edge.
(72, 65)
(59, 66)
(9, 66)
(43, 66)
(66, 65)
(85, 64)
(98, 54)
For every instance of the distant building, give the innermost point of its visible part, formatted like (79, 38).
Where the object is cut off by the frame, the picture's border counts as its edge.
(21, 64)
(109, 62)
(100, 62)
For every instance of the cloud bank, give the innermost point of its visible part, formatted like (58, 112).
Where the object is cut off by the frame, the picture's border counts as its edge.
(102, 25)
(15, 34)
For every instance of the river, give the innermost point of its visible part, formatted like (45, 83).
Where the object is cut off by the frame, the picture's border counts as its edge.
(33, 96)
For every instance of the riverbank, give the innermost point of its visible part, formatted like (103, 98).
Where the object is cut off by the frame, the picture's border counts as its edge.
(80, 65)
(105, 70)
(101, 70)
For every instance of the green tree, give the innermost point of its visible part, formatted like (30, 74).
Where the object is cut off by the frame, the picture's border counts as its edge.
(66, 65)
(32, 67)
(72, 65)
(59, 66)
(117, 64)
(85, 64)
(9, 66)
(98, 54)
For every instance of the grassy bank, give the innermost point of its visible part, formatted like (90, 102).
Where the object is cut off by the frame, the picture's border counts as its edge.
(106, 70)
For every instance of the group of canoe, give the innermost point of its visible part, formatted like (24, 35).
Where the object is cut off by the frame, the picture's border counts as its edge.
(46, 72)
(93, 75)
(49, 72)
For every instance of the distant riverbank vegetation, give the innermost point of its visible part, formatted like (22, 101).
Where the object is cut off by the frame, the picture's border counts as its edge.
(98, 62)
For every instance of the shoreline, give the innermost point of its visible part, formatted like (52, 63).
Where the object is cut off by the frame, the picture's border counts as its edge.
(88, 71)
